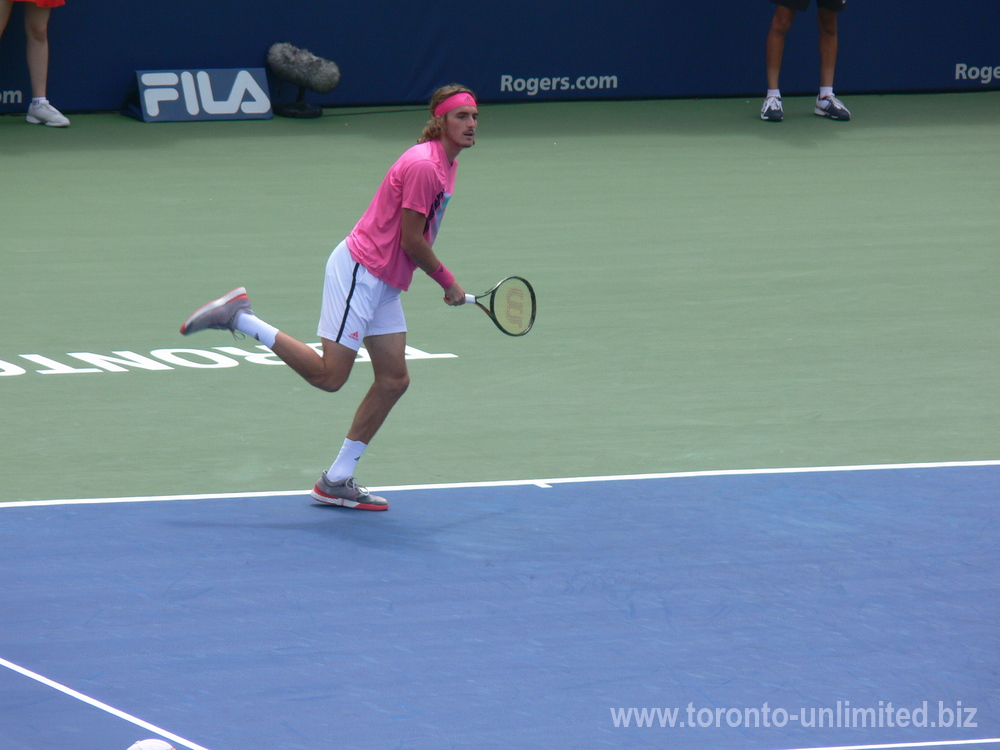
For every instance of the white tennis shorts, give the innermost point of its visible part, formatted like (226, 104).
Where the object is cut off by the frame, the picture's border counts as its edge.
(356, 303)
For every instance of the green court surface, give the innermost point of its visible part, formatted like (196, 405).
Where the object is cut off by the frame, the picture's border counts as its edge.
(715, 292)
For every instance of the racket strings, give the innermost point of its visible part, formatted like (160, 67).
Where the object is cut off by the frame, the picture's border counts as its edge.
(513, 306)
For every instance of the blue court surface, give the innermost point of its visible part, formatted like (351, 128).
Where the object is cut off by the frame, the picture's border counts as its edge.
(740, 611)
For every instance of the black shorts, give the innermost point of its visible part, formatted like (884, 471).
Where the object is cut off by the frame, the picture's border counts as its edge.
(835, 5)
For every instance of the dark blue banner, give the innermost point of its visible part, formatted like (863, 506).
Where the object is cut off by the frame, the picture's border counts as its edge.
(393, 52)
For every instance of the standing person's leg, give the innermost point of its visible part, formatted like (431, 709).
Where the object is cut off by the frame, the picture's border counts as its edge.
(775, 50)
(827, 104)
(827, 46)
(780, 24)
(36, 27)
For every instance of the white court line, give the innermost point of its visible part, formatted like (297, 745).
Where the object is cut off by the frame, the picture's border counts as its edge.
(103, 706)
(940, 743)
(544, 483)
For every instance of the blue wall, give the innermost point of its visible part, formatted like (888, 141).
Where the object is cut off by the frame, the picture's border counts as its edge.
(391, 51)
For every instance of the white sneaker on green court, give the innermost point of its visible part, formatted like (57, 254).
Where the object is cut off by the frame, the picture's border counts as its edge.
(43, 113)
(832, 107)
(772, 109)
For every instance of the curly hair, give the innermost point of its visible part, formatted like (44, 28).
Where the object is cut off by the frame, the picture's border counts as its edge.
(435, 126)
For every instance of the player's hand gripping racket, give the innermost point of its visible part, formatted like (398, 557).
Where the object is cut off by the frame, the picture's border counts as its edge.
(510, 304)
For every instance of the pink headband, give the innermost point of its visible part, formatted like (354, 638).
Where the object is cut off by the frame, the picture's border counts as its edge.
(460, 99)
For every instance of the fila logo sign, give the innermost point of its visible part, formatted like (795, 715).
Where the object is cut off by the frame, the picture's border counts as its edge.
(218, 94)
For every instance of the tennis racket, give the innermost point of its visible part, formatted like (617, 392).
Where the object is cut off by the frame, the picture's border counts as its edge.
(510, 304)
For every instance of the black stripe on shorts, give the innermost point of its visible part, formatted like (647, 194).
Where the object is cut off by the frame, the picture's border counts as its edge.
(347, 307)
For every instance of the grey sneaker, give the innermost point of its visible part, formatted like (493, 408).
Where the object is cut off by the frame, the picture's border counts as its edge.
(44, 113)
(832, 107)
(772, 109)
(348, 493)
(219, 313)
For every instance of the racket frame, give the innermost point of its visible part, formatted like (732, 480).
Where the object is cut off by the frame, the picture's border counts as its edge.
(492, 293)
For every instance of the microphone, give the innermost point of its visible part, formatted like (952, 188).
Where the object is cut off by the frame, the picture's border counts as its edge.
(302, 68)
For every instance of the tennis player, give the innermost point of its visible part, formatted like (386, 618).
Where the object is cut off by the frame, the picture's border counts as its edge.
(365, 275)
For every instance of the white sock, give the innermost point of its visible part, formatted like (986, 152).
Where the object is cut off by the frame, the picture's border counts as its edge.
(825, 91)
(774, 92)
(39, 100)
(348, 458)
(251, 325)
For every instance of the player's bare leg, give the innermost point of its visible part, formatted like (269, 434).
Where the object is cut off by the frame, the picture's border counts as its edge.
(388, 356)
(328, 371)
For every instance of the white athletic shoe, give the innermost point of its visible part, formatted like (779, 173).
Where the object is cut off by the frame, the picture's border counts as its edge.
(43, 113)
(832, 107)
(348, 494)
(220, 313)
(772, 109)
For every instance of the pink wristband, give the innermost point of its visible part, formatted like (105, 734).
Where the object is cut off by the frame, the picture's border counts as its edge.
(444, 277)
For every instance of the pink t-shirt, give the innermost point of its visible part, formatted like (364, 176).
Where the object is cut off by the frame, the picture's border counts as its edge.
(421, 180)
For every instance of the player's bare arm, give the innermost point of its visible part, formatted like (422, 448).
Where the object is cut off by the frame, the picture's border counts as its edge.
(416, 246)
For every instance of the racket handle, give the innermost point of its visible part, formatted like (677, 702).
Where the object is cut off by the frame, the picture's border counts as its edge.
(470, 299)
